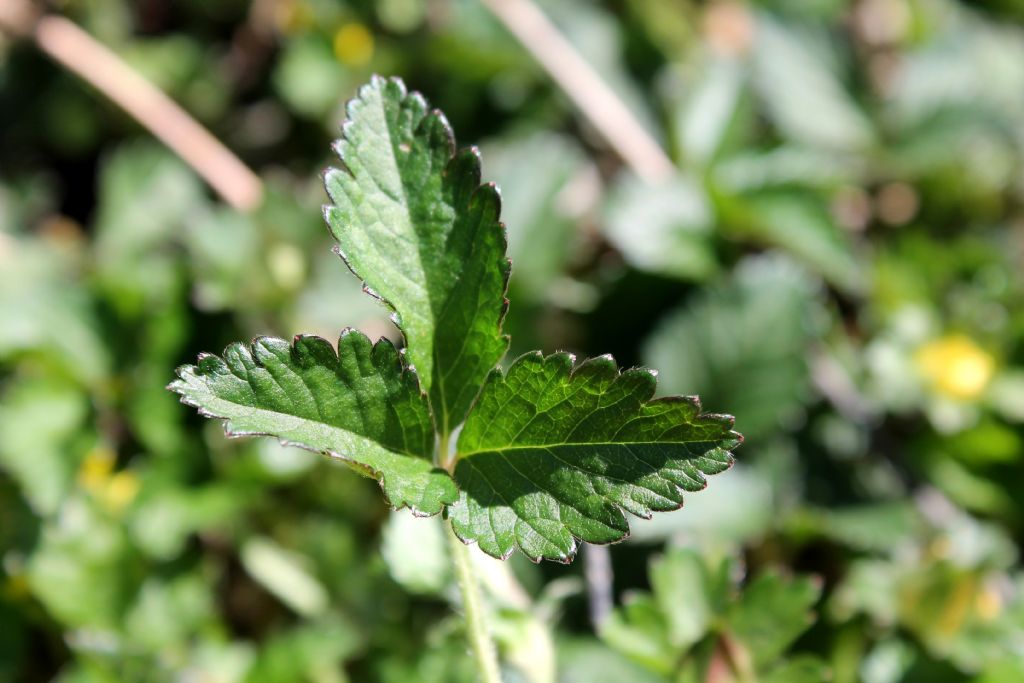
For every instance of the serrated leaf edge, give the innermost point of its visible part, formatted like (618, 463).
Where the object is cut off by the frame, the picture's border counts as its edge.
(406, 370)
(378, 81)
(736, 440)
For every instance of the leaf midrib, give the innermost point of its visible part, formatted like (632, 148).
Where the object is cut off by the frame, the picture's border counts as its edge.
(625, 444)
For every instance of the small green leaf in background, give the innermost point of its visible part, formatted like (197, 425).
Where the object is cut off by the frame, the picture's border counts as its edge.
(166, 612)
(801, 669)
(38, 420)
(416, 553)
(743, 345)
(813, 107)
(553, 452)
(82, 571)
(46, 313)
(312, 651)
(583, 661)
(283, 573)
(695, 603)
(536, 175)
(772, 613)
(664, 229)
(414, 223)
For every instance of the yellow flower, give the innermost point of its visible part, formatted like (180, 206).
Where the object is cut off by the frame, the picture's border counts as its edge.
(114, 490)
(353, 44)
(988, 604)
(955, 366)
(121, 491)
(96, 468)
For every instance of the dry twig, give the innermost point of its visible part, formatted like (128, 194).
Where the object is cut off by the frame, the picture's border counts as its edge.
(585, 87)
(73, 48)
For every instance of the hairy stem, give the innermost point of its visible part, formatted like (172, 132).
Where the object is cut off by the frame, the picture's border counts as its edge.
(473, 608)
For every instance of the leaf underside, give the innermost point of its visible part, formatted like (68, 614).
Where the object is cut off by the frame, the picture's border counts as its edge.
(414, 223)
(358, 404)
(551, 454)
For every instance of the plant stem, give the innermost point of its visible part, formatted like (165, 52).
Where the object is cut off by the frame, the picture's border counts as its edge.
(476, 618)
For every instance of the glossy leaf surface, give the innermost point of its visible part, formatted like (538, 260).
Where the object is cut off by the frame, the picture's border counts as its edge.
(552, 454)
(358, 404)
(414, 223)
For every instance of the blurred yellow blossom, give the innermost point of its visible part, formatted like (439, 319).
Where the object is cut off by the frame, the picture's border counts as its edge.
(115, 490)
(120, 491)
(353, 44)
(988, 604)
(956, 366)
(96, 468)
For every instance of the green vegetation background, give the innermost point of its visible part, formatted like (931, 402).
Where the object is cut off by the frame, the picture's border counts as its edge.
(838, 263)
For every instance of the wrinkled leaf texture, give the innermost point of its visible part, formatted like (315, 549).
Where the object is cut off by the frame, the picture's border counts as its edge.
(414, 223)
(551, 452)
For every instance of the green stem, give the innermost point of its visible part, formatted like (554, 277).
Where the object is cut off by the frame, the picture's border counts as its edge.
(476, 617)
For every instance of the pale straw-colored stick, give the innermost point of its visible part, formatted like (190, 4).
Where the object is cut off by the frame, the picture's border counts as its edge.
(67, 44)
(585, 87)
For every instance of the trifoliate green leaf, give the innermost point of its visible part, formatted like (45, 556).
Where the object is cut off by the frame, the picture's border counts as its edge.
(552, 453)
(359, 405)
(549, 456)
(413, 221)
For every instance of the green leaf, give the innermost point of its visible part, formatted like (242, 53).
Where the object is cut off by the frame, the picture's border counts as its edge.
(413, 221)
(802, 669)
(800, 225)
(41, 419)
(47, 313)
(286, 575)
(639, 630)
(553, 453)
(585, 661)
(415, 552)
(310, 651)
(664, 228)
(690, 591)
(815, 108)
(167, 611)
(359, 405)
(534, 173)
(83, 573)
(772, 614)
(747, 340)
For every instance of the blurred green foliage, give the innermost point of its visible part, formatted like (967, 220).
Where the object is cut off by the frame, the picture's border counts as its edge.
(837, 262)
